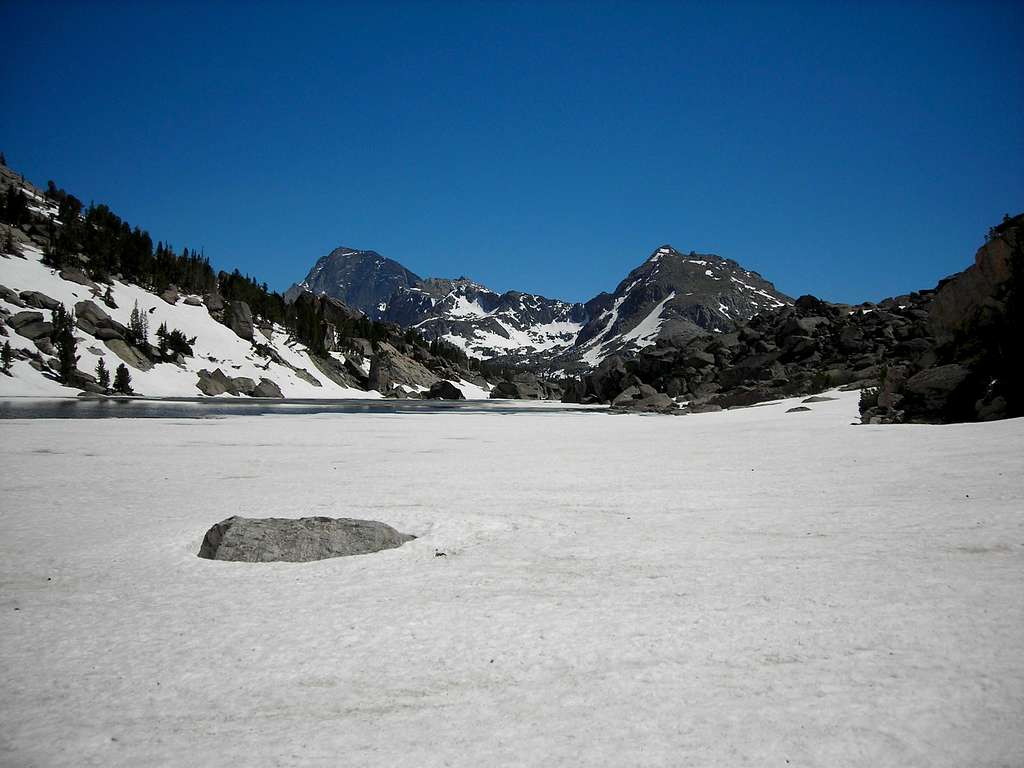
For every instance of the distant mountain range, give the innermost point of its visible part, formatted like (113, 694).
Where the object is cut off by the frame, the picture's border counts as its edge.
(671, 294)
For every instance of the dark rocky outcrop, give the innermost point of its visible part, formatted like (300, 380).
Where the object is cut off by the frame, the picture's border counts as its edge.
(266, 388)
(444, 390)
(950, 354)
(238, 317)
(390, 368)
(217, 382)
(644, 399)
(274, 539)
(525, 386)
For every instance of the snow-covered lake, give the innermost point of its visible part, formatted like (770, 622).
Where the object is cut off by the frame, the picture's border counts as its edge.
(741, 588)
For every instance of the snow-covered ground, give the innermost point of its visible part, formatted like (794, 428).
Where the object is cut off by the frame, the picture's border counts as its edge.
(741, 588)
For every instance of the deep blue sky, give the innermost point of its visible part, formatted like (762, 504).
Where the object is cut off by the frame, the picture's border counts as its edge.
(852, 151)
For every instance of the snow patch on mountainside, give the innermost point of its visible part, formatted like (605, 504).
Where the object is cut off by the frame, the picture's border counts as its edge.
(646, 331)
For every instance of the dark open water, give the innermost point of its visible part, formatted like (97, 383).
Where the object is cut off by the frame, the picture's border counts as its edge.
(196, 408)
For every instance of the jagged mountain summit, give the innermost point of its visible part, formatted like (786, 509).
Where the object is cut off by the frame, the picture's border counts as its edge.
(670, 295)
(513, 326)
(362, 279)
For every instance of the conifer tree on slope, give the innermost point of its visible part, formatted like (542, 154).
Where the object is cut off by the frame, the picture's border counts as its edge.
(64, 340)
(103, 375)
(6, 356)
(123, 381)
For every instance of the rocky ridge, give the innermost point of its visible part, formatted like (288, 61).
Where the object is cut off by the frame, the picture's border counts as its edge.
(952, 353)
(670, 294)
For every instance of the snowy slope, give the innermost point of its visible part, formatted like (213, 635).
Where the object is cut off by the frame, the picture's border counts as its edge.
(744, 588)
(216, 346)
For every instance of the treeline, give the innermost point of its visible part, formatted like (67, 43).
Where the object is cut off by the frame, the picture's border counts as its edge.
(111, 247)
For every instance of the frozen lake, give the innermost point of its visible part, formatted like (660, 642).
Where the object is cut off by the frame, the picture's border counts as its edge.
(740, 588)
(207, 408)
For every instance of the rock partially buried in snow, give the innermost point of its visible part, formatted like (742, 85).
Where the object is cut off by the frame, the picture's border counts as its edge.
(444, 390)
(278, 539)
(128, 353)
(798, 409)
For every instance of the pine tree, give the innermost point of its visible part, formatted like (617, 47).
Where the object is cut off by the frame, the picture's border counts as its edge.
(6, 356)
(138, 326)
(161, 338)
(64, 340)
(10, 245)
(3, 160)
(103, 375)
(123, 381)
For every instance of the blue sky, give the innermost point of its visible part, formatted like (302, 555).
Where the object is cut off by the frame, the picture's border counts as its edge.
(852, 151)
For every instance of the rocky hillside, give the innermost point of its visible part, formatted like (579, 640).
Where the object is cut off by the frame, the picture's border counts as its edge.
(952, 353)
(79, 288)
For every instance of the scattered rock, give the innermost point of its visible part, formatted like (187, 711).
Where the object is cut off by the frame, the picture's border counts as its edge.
(274, 539)
(170, 295)
(193, 301)
(818, 399)
(798, 409)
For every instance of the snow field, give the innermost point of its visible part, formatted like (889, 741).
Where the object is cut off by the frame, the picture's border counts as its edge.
(740, 588)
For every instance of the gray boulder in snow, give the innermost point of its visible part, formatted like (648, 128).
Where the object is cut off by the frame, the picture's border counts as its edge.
(267, 388)
(659, 402)
(212, 384)
(108, 334)
(128, 354)
(19, 319)
(39, 300)
(75, 275)
(214, 303)
(35, 329)
(238, 317)
(10, 296)
(275, 539)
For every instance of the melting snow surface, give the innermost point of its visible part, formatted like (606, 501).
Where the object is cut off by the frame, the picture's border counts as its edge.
(742, 588)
